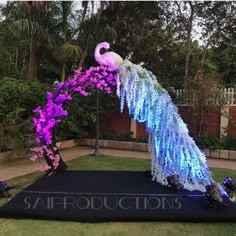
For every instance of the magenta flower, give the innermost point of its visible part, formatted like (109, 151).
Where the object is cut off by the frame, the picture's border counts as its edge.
(101, 77)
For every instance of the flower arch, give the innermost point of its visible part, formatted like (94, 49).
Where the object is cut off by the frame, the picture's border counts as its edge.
(49, 116)
(173, 151)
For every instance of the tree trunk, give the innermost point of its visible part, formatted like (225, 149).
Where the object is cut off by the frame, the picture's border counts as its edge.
(63, 72)
(16, 61)
(188, 48)
(96, 151)
(23, 64)
(85, 6)
(64, 26)
(32, 61)
(82, 60)
(205, 51)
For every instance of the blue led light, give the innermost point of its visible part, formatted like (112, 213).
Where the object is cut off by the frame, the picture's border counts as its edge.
(173, 150)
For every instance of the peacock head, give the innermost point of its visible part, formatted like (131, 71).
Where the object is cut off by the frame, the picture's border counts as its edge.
(104, 45)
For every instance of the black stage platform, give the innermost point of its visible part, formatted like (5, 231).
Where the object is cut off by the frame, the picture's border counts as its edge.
(99, 196)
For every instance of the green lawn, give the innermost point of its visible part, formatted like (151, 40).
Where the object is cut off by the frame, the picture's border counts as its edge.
(43, 227)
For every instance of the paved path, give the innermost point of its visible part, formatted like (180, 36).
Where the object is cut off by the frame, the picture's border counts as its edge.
(25, 166)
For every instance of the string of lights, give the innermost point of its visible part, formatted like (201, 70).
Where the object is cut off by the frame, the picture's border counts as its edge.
(173, 151)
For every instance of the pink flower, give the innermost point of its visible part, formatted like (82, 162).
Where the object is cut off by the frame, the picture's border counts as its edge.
(101, 77)
(58, 144)
(43, 168)
(34, 158)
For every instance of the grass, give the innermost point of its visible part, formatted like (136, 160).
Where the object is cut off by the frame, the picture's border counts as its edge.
(42, 227)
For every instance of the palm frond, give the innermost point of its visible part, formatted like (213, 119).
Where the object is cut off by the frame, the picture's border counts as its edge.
(71, 50)
(26, 26)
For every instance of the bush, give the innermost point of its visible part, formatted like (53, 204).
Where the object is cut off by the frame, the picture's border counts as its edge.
(81, 119)
(213, 142)
(228, 143)
(17, 100)
(121, 137)
(124, 137)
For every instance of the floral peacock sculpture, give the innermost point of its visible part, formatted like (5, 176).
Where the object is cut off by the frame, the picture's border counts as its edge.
(173, 151)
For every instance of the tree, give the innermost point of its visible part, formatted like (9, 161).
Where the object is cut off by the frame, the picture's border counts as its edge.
(67, 26)
(11, 53)
(218, 35)
(17, 99)
(48, 26)
(94, 30)
(27, 21)
(205, 92)
(186, 15)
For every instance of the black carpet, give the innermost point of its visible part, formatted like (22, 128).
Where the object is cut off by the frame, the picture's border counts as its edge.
(98, 196)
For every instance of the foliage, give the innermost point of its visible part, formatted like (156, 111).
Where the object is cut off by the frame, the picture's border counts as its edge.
(213, 142)
(151, 33)
(204, 91)
(17, 99)
(93, 30)
(145, 36)
(155, 34)
(48, 30)
(80, 121)
(223, 58)
(128, 136)
(228, 143)
(218, 35)
(13, 53)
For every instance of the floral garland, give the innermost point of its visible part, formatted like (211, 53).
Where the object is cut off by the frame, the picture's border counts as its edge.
(100, 77)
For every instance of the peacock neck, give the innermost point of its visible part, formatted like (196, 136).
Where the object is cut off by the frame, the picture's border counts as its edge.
(97, 54)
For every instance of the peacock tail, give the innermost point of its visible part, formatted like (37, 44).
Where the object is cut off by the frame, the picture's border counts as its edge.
(173, 151)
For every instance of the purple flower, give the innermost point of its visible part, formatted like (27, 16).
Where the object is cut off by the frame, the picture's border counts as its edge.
(99, 77)
(49, 95)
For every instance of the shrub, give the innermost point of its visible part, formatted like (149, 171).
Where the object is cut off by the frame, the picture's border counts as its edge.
(210, 141)
(228, 143)
(213, 142)
(127, 136)
(17, 100)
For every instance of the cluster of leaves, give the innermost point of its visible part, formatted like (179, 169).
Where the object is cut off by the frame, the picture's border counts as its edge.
(156, 34)
(17, 99)
(213, 142)
(81, 119)
(128, 136)
(47, 41)
(204, 91)
(55, 35)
